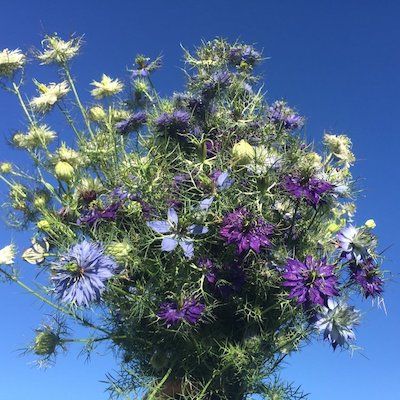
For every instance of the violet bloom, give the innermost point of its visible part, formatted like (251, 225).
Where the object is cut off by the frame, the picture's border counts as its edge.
(225, 280)
(131, 124)
(191, 312)
(175, 237)
(336, 321)
(368, 276)
(218, 81)
(243, 230)
(354, 243)
(93, 216)
(246, 54)
(281, 115)
(80, 275)
(221, 179)
(310, 189)
(311, 282)
(173, 123)
(144, 67)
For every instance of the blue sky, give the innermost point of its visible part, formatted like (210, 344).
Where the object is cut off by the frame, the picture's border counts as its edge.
(337, 62)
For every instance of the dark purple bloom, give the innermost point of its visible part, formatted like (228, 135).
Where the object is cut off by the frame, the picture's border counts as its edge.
(242, 229)
(80, 275)
(172, 123)
(94, 215)
(311, 282)
(309, 189)
(213, 147)
(190, 312)
(282, 115)
(131, 124)
(246, 54)
(224, 280)
(218, 80)
(368, 276)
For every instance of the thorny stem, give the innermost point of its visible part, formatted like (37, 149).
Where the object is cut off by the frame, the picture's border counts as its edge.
(21, 101)
(82, 320)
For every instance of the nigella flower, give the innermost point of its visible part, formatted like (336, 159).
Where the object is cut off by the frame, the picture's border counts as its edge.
(247, 54)
(94, 215)
(218, 81)
(131, 124)
(80, 275)
(222, 179)
(224, 280)
(246, 232)
(368, 276)
(310, 189)
(190, 312)
(175, 237)
(173, 123)
(144, 67)
(355, 243)
(311, 282)
(336, 321)
(282, 115)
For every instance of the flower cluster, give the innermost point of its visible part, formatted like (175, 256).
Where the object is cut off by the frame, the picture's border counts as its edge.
(198, 232)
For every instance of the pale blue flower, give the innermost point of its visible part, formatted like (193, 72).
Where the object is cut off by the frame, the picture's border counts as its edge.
(175, 237)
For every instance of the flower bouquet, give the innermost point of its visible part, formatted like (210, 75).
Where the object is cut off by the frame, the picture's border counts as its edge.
(199, 235)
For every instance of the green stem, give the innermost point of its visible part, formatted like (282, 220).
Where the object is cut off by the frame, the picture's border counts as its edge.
(21, 101)
(82, 320)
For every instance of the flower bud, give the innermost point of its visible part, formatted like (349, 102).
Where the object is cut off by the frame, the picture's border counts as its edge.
(5, 167)
(64, 171)
(119, 250)
(97, 114)
(45, 343)
(40, 200)
(43, 225)
(333, 227)
(370, 224)
(242, 152)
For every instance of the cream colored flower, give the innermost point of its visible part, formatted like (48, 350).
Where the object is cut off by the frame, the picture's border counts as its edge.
(49, 95)
(37, 252)
(59, 51)
(40, 135)
(370, 224)
(5, 168)
(7, 255)
(11, 61)
(340, 147)
(242, 152)
(106, 87)
(264, 160)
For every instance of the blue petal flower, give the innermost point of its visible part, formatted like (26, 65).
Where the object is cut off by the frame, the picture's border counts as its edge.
(187, 247)
(197, 229)
(169, 244)
(206, 203)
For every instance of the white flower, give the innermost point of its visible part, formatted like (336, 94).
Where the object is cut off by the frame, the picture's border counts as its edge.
(106, 87)
(264, 160)
(37, 253)
(340, 147)
(7, 255)
(58, 51)
(11, 61)
(49, 95)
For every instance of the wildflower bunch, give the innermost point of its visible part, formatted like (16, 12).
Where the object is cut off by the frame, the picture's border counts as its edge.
(199, 233)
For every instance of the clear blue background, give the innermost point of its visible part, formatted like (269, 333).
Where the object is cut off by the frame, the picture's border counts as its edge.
(338, 62)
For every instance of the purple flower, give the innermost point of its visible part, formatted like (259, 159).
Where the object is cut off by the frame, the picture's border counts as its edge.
(191, 312)
(368, 276)
(312, 281)
(175, 237)
(224, 280)
(131, 124)
(336, 321)
(173, 123)
(218, 81)
(284, 116)
(247, 54)
(93, 216)
(80, 275)
(144, 67)
(213, 147)
(222, 179)
(240, 228)
(310, 189)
